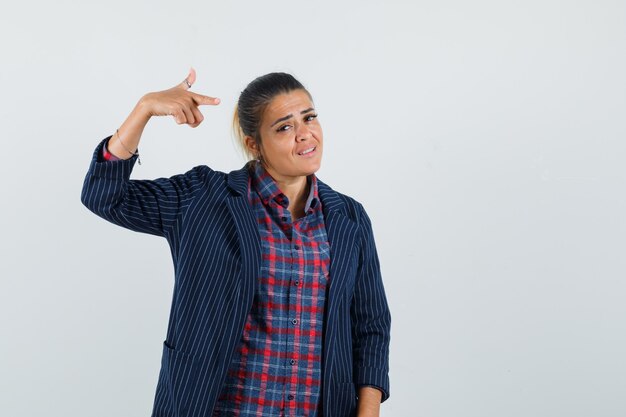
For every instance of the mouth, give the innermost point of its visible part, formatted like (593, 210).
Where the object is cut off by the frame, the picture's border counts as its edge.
(307, 153)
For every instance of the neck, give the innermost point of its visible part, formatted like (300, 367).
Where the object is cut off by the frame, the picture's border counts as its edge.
(295, 188)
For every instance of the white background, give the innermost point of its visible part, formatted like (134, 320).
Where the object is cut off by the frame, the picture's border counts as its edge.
(485, 139)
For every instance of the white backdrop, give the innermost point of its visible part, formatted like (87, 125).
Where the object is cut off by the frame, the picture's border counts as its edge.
(485, 139)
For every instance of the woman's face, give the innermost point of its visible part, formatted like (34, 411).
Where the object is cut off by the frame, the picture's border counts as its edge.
(289, 126)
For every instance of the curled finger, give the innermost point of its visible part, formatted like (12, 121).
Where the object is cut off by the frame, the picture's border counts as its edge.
(179, 117)
(197, 115)
(188, 114)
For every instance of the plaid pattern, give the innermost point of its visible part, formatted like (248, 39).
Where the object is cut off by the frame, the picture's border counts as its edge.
(277, 369)
(108, 156)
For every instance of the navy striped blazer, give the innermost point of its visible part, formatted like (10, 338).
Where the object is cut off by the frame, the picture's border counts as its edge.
(216, 248)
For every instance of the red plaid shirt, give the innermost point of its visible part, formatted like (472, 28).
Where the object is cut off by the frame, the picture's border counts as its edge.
(276, 371)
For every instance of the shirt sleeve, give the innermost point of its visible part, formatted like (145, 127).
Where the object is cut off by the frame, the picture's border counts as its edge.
(106, 155)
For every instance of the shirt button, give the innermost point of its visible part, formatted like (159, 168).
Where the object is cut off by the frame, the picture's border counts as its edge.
(290, 397)
(296, 283)
(283, 218)
(293, 361)
(297, 247)
(294, 321)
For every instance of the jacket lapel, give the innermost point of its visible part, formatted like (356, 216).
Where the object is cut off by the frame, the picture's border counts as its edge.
(341, 229)
(247, 233)
(342, 234)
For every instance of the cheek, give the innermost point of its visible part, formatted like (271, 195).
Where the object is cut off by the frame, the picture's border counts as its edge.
(279, 150)
(318, 133)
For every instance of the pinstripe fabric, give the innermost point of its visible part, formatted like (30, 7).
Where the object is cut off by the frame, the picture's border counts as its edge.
(210, 226)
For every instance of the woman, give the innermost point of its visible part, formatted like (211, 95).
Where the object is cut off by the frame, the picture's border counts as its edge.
(278, 306)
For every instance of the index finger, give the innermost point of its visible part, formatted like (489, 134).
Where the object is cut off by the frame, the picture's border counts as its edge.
(204, 100)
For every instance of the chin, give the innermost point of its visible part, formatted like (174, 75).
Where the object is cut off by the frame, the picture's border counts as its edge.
(313, 167)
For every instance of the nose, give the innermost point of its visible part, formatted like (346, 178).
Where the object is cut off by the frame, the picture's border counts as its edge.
(303, 133)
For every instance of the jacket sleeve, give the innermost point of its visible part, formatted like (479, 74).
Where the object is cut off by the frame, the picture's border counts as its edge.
(147, 206)
(371, 318)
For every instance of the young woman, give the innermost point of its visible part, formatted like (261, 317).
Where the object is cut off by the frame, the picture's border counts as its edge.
(278, 306)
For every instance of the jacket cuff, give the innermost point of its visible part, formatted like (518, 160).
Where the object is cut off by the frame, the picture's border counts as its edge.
(102, 168)
(374, 377)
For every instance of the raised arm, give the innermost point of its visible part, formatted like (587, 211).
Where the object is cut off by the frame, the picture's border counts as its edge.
(177, 101)
(149, 206)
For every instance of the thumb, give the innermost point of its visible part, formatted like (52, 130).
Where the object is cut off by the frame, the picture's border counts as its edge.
(188, 82)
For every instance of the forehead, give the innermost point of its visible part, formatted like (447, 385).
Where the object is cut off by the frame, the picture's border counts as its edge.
(288, 103)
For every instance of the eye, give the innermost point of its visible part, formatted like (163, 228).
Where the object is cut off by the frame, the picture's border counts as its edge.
(310, 117)
(283, 128)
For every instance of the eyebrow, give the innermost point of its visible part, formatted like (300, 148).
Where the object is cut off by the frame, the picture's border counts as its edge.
(289, 116)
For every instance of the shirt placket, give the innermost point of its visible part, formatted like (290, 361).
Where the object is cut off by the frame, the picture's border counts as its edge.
(294, 315)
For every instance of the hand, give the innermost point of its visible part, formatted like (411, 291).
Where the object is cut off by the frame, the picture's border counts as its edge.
(179, 102)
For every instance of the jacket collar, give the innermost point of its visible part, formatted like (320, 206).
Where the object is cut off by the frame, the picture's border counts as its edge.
(331, 201)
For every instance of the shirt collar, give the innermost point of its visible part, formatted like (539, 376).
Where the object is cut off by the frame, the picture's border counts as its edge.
(268, 190)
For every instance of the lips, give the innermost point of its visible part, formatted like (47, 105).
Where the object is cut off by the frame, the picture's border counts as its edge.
(307, 151)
